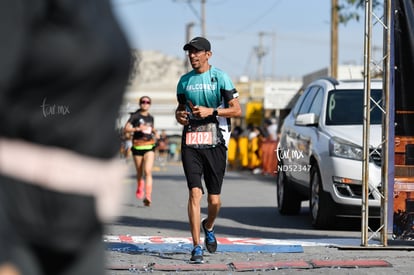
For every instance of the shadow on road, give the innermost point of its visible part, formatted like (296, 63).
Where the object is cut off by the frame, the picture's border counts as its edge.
(246, 221)
(262, 222)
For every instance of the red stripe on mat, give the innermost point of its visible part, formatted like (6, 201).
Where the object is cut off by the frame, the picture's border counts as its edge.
(245, 266)
(350, 263)
(190, 267)
(125, 239)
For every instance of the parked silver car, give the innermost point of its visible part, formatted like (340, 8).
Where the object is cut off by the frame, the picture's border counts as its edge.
(320, 152)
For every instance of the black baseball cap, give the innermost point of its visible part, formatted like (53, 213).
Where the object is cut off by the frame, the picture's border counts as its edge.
(199, 43)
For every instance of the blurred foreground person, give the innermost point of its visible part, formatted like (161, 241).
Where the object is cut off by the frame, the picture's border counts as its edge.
(64, 66)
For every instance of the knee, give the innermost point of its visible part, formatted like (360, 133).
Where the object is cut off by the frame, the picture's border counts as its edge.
(148, 171)
(195, 193)
(214, 200)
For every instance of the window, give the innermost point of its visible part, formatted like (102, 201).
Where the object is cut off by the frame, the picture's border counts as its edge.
(299, 102)
(316, 107)
(307, 102)
(346, 107)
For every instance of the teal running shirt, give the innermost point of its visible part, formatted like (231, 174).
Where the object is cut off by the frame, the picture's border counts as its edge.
(213, 89)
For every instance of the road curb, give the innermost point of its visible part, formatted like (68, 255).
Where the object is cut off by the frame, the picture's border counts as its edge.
(258, 266)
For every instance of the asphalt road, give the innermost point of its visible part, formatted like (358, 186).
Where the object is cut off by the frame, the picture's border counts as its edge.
(248, 211)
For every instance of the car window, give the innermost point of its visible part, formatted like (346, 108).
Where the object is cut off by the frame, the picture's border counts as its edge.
(316, 106)
(307, 102)
(346, 107)
(299, 103)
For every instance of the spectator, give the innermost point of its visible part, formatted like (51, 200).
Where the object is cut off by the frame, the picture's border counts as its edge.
(271, 128)
(172, 150)
(255, 150)
(269, 159)
(163, 144)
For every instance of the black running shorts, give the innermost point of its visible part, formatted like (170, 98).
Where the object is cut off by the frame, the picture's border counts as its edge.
(210, 163)
(136, 152)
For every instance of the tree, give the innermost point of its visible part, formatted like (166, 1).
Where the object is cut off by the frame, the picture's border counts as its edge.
(343, 11)
(351, 9)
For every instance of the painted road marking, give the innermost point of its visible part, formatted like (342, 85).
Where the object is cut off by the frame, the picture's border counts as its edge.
(232, 241)
(160, 244)
(186, 248)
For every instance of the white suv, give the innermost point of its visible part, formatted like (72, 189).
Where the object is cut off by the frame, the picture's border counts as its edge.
(320, 152)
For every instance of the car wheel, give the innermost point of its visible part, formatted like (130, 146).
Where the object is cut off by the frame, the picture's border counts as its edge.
(320, 205)
(288, 200)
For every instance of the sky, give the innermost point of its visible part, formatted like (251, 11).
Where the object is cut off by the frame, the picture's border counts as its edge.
(296, 33)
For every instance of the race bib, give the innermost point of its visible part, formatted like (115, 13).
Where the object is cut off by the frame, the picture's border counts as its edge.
(201, 136)
(197, 138)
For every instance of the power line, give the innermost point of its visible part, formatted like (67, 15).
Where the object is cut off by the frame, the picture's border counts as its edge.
(258, 18)
(201, 16)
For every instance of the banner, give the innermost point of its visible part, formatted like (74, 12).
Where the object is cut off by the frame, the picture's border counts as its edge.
(403, 189)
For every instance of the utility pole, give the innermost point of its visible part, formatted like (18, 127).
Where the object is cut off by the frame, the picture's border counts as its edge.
(334, 38)
(188, 36)
(273, 55)
(201, 17)
(260, 53)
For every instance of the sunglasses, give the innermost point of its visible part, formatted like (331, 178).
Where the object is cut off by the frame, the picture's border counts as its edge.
(145, 102)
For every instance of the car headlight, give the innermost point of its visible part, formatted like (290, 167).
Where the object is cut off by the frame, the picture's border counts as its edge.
(344, 149)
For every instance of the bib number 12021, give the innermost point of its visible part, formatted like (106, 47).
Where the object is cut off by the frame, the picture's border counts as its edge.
(198, 138)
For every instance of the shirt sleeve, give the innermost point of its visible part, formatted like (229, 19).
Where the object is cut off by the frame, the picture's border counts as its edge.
(181, 93)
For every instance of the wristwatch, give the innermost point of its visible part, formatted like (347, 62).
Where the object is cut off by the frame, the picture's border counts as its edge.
(215, 113)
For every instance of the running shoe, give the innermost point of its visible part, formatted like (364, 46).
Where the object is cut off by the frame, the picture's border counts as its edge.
(147, 202)
(210, 240)
(197, 255)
